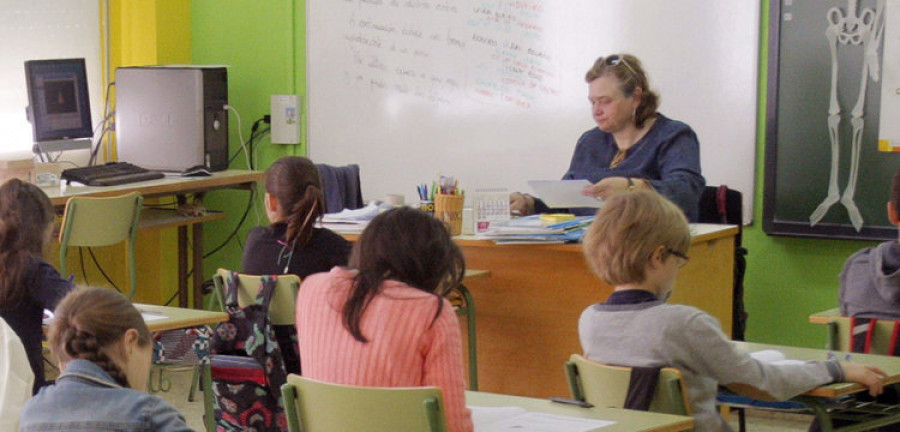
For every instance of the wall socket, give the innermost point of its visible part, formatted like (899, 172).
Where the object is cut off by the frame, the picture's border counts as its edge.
(285, 123)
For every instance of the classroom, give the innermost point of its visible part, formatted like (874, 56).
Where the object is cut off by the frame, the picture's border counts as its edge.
(285, 47)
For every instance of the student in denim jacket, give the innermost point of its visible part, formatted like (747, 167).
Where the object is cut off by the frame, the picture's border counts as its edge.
(104, 349)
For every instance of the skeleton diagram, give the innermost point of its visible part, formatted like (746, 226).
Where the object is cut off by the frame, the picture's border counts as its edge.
(853, 28)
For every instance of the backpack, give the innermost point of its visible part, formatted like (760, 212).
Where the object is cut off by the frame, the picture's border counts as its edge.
(247, 367)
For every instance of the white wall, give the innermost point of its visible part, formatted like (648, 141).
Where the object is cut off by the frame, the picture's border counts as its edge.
(43, 29)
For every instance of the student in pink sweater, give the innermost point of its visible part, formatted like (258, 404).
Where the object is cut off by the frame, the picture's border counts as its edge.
(385, 323)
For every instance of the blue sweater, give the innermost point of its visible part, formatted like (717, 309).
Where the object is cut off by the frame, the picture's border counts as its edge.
(668, 156)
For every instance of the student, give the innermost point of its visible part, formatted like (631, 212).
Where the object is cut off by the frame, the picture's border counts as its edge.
(292, 244)
(637, 243)
(870, 281)
(385, 323)
(28, 285)
(104, 351)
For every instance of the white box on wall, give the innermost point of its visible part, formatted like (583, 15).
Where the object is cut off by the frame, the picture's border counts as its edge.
(285, 119)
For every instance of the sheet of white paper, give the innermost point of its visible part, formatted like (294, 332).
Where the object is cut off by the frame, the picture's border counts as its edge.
(483, 415)
(564, 193)
(537, 422)
(768, 356)
(152, 317)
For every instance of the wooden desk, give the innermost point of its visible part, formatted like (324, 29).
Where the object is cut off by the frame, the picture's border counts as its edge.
(820, 399)
(528, 310)
(161, 218)
(625, 420)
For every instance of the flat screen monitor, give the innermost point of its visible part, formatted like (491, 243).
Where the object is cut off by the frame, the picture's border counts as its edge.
(59, 105)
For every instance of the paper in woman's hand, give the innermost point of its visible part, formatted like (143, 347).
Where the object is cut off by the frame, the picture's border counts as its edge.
(564, 193)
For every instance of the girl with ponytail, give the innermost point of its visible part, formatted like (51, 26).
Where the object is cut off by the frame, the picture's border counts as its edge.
(104, 350)
(292, 244)
(28, 284)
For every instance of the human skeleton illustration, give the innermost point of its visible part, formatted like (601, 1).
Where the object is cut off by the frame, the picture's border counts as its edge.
(854, 27)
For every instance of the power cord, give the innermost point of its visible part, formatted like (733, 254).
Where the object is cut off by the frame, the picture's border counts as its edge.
(240, 134)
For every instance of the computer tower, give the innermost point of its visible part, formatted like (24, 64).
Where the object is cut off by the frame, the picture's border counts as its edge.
(171, 118)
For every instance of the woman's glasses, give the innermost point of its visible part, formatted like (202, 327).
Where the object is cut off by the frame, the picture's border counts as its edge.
(616, 59)
(684, 258)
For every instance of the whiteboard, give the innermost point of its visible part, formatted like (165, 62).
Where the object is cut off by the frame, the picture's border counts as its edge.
(492, 92)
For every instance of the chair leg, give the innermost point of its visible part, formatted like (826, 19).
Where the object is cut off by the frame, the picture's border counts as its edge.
(195, 383)
(470, 324)
(209, 413)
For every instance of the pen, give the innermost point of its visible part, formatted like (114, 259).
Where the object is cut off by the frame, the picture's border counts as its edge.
(568, 401)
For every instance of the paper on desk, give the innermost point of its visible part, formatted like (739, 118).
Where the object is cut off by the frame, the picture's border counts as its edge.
(364, 214)
(564, 193)
(503, 419)
(774, 357)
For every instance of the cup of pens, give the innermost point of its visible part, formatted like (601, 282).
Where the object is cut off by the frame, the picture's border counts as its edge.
(426, 201)
(449, 209)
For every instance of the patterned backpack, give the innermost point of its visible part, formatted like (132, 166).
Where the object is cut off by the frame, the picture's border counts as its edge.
(247, 368)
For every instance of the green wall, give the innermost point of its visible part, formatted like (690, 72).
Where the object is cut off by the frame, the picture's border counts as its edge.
(263, 42)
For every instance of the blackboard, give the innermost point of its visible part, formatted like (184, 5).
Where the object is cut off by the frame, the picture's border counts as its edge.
(799, 137)
(493, 92)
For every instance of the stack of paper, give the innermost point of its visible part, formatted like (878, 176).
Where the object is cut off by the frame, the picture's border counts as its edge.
(530, 229)
(352, 221)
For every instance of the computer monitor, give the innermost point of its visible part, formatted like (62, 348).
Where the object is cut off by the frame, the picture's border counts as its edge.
(59, 105)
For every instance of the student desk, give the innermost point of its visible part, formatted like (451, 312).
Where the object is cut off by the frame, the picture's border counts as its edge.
(162, 318)
(160, 218)
(173, 318)
(825, 316)
(818, 399)
(529, 308)
(625, 420)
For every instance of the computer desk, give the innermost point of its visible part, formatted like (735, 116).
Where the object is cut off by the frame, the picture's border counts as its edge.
(527, 311)
(162, 218)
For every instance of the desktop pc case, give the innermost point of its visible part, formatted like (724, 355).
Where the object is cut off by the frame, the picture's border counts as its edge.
(172, 118)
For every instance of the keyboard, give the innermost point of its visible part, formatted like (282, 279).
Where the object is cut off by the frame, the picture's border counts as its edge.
(109, 174)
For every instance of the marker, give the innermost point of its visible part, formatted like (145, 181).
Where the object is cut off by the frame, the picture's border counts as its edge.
(568, 401)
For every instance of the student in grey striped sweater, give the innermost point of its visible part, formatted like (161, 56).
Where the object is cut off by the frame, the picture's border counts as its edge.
(637, 243)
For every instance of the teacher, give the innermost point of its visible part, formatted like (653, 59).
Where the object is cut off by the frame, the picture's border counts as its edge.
(633, 146)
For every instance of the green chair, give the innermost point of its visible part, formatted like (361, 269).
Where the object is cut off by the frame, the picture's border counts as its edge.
(90, 222)
(607, 386)
(315, 406)
(839, 335)
(282, 309)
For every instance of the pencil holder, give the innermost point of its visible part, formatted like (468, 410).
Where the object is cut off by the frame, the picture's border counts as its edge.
(449, 209)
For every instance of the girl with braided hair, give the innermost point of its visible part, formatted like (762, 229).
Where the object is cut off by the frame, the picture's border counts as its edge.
(292, 244)
(104, 350)
(28, 284)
